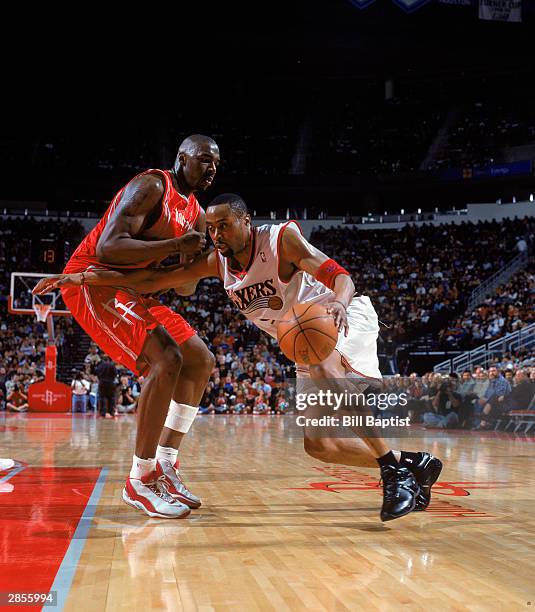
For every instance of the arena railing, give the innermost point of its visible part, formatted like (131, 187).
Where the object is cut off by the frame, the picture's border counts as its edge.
(522, 339)
(489, 285)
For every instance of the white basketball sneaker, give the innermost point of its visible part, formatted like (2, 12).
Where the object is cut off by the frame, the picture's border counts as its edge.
(6, 464)
(175, 485)
(151, 495)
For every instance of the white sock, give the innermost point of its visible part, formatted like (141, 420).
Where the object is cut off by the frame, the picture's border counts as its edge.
(142, 467)
(167, 452)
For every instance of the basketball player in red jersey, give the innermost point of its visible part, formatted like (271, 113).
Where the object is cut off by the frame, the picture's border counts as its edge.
(154, 216)
(265, 271)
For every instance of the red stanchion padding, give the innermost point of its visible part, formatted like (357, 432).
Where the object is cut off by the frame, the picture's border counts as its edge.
(50, 395)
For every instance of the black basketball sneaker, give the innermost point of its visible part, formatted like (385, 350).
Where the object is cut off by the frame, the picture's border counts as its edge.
(400, 490)
(426, 471)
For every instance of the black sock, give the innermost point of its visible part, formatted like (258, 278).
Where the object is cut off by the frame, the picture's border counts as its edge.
(410, 458)
(388, 459)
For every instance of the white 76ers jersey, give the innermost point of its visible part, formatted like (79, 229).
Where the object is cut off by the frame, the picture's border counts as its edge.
(258, 292)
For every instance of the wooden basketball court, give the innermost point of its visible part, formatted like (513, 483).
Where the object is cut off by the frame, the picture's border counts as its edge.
(277, 530)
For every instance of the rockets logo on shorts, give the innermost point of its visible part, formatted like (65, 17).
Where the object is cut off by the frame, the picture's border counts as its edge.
(256, 296)
(121, 311)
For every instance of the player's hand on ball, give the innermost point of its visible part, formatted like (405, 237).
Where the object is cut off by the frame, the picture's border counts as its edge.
(338, 311)
(45, 285)
(191, 243)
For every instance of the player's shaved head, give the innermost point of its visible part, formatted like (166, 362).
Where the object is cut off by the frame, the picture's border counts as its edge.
(235, 203)
(196, 163)
(195, 143)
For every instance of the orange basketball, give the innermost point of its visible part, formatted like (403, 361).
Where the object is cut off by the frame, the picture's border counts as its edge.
(307, 334)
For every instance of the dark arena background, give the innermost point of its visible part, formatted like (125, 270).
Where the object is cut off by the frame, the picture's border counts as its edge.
(400, 135)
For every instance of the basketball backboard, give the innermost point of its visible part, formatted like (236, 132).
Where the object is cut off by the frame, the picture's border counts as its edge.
(22, 301)
(48, 395)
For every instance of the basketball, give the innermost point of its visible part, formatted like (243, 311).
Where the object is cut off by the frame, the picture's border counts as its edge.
(307, 334)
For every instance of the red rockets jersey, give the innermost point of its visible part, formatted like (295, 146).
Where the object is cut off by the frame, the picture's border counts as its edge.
(178, 215)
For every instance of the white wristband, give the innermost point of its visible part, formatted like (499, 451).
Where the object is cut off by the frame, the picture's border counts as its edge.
(180, 416)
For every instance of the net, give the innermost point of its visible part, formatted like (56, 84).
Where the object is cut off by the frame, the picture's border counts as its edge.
(42, 311)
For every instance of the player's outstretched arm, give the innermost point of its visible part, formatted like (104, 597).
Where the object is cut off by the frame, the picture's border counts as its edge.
(138, 209)
(148, 280)
(295, 250)
(190, 288)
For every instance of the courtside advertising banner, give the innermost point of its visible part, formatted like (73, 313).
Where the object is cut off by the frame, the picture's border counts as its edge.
(500, 10)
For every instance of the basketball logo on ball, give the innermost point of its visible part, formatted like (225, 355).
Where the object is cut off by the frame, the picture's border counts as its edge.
(307, 334)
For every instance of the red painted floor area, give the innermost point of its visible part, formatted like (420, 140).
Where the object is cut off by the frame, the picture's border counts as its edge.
(37, 522)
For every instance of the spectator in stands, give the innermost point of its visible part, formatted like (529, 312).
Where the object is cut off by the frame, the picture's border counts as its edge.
(92, 359)
(419, 277)
(219, 404)
(468, 395)
(106, 373)
(125, 401)
(80, 392)
(521, 394)
(262, 387)
(92, 397)
(482, 382)
(446, 404)
(93, 392)
(240, 406)
(281, 405)
(260, 403)
(137, 381)
(483, 131)
(3, 390)
(491, 404)
(431, 386)
(17, 400)
(416, 405)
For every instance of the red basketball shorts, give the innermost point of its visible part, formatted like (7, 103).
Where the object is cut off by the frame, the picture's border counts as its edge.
(119, 321)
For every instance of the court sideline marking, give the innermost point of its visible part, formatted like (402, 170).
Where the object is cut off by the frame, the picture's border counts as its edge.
(65, 575)
(17, 469)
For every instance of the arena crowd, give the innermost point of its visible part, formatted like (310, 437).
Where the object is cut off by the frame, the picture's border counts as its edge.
(415, 276)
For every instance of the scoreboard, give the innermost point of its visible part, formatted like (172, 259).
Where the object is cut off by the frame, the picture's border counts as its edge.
(50, 254)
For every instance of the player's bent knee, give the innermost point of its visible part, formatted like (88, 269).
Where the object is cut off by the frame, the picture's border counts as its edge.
(210, 360)
(208, 363)
(205, 361)
(170, 361)
(319, 448)
(198, 357)
(321, 370)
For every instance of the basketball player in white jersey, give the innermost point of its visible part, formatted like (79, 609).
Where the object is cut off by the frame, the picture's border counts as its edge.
(265, 270)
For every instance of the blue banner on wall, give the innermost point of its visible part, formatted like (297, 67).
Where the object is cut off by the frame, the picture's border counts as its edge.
(512, 169)
(410, 5)
(361, 4)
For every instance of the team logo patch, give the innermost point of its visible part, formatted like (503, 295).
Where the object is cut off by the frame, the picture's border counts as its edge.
(275, 303)
(121, 311)
(256, 297)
